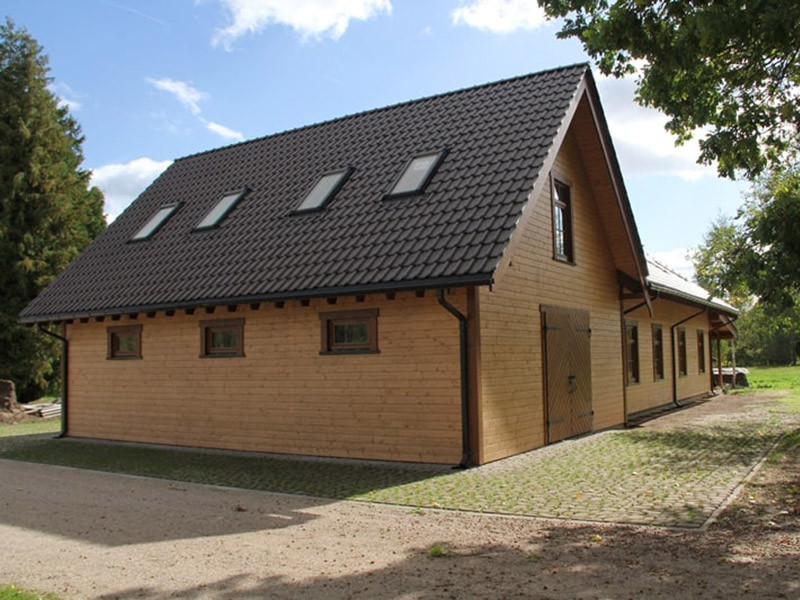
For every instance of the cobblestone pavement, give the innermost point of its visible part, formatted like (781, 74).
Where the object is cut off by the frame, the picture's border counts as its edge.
(673, 471)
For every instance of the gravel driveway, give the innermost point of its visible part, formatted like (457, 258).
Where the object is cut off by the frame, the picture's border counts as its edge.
(87, 534)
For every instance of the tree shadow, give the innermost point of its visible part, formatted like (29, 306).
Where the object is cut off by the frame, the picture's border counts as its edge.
(555, 562)
(84, 503)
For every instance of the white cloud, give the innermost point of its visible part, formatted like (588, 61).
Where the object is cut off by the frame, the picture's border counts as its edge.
(66, 96)
(500, 16)
(122, 183)
(677, 260)
(224, 132)
(309, 18)
(643, 146)
(190, 97)
(184, 92)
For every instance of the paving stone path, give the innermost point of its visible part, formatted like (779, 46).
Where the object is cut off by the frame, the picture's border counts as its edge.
(673, 472)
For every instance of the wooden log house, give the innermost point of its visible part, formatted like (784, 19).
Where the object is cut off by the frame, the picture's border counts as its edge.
(455, 279)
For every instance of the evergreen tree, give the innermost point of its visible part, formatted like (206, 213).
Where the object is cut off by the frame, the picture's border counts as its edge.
(48, 212)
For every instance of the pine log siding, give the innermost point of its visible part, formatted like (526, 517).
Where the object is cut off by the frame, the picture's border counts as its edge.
(512, 394)
(282, 396)
(649, 393)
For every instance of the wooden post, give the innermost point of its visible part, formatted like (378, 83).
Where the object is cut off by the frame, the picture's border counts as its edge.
(733, 361)
(719, 362)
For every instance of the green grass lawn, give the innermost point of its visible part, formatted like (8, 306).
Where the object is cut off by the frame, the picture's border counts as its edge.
(779, 378)
(30, 428)
(12, 592)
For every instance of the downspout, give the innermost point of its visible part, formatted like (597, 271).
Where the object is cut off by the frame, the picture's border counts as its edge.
(64, 374)
(674, 362)
(462, 339)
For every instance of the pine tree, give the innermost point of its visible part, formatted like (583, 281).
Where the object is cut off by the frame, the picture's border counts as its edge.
(48, 211)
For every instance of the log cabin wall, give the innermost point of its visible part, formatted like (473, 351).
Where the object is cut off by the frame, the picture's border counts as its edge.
(282, 395)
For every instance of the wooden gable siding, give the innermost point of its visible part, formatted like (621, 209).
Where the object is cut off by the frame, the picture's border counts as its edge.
(648, 393)
(603, 186)
(282, 396)
(512, 397)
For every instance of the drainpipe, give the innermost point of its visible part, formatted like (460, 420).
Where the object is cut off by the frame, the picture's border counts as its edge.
(462, 339)
(64, 374)
(674, 362)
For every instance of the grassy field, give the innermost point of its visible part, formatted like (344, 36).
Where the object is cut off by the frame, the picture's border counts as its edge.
(779, 378)
(12, 592)
(30, 428)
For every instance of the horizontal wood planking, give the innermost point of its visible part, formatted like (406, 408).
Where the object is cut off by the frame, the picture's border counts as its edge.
(282, 396)
(649, 393)
(512, 394)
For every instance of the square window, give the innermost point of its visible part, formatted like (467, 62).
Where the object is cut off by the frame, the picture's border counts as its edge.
(222, 338)
(349, 332)
(124, 342)
(562, 221)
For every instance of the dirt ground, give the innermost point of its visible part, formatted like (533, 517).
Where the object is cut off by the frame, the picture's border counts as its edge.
(85, 534)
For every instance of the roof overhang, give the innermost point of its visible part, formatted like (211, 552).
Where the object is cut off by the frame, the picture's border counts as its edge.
(378, 288)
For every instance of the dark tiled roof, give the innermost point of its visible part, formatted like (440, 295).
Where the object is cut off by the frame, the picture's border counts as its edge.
(496, 135)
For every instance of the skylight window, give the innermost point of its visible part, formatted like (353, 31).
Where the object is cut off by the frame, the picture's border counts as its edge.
(417, 174)
(324, 190)
(222, 208)
(155, 222)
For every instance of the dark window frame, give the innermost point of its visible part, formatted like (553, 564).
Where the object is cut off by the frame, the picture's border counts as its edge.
(174, 206)
(683, 370)
(566, 207)
(701, 351)
(632, 353)
(420, 189)
(207, 330)
(240, 193)
(345, 175)
(658, 351)
(330, 320)
(113, 334)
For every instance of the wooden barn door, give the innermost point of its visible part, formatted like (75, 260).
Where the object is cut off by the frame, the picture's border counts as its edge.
(568, 369)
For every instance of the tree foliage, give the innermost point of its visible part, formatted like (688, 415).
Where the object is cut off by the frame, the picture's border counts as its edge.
(48, 211)
(729, 264)
(768, 243)
(730, 68)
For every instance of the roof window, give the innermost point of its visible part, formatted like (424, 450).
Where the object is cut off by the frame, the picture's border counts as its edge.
(222, 208)
(156, 221)
(417, 173)
(325, 189)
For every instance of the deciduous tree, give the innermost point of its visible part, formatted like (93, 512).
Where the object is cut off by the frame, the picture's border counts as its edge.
(729, 69)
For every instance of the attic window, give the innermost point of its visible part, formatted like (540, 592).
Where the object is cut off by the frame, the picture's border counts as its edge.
(324, 190)
(222, 208)
(155, 222)
(417, 173)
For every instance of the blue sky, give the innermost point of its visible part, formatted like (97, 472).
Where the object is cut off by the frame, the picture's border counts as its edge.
(153, 80)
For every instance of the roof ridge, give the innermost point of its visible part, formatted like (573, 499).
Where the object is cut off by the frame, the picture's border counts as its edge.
(387, 107)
